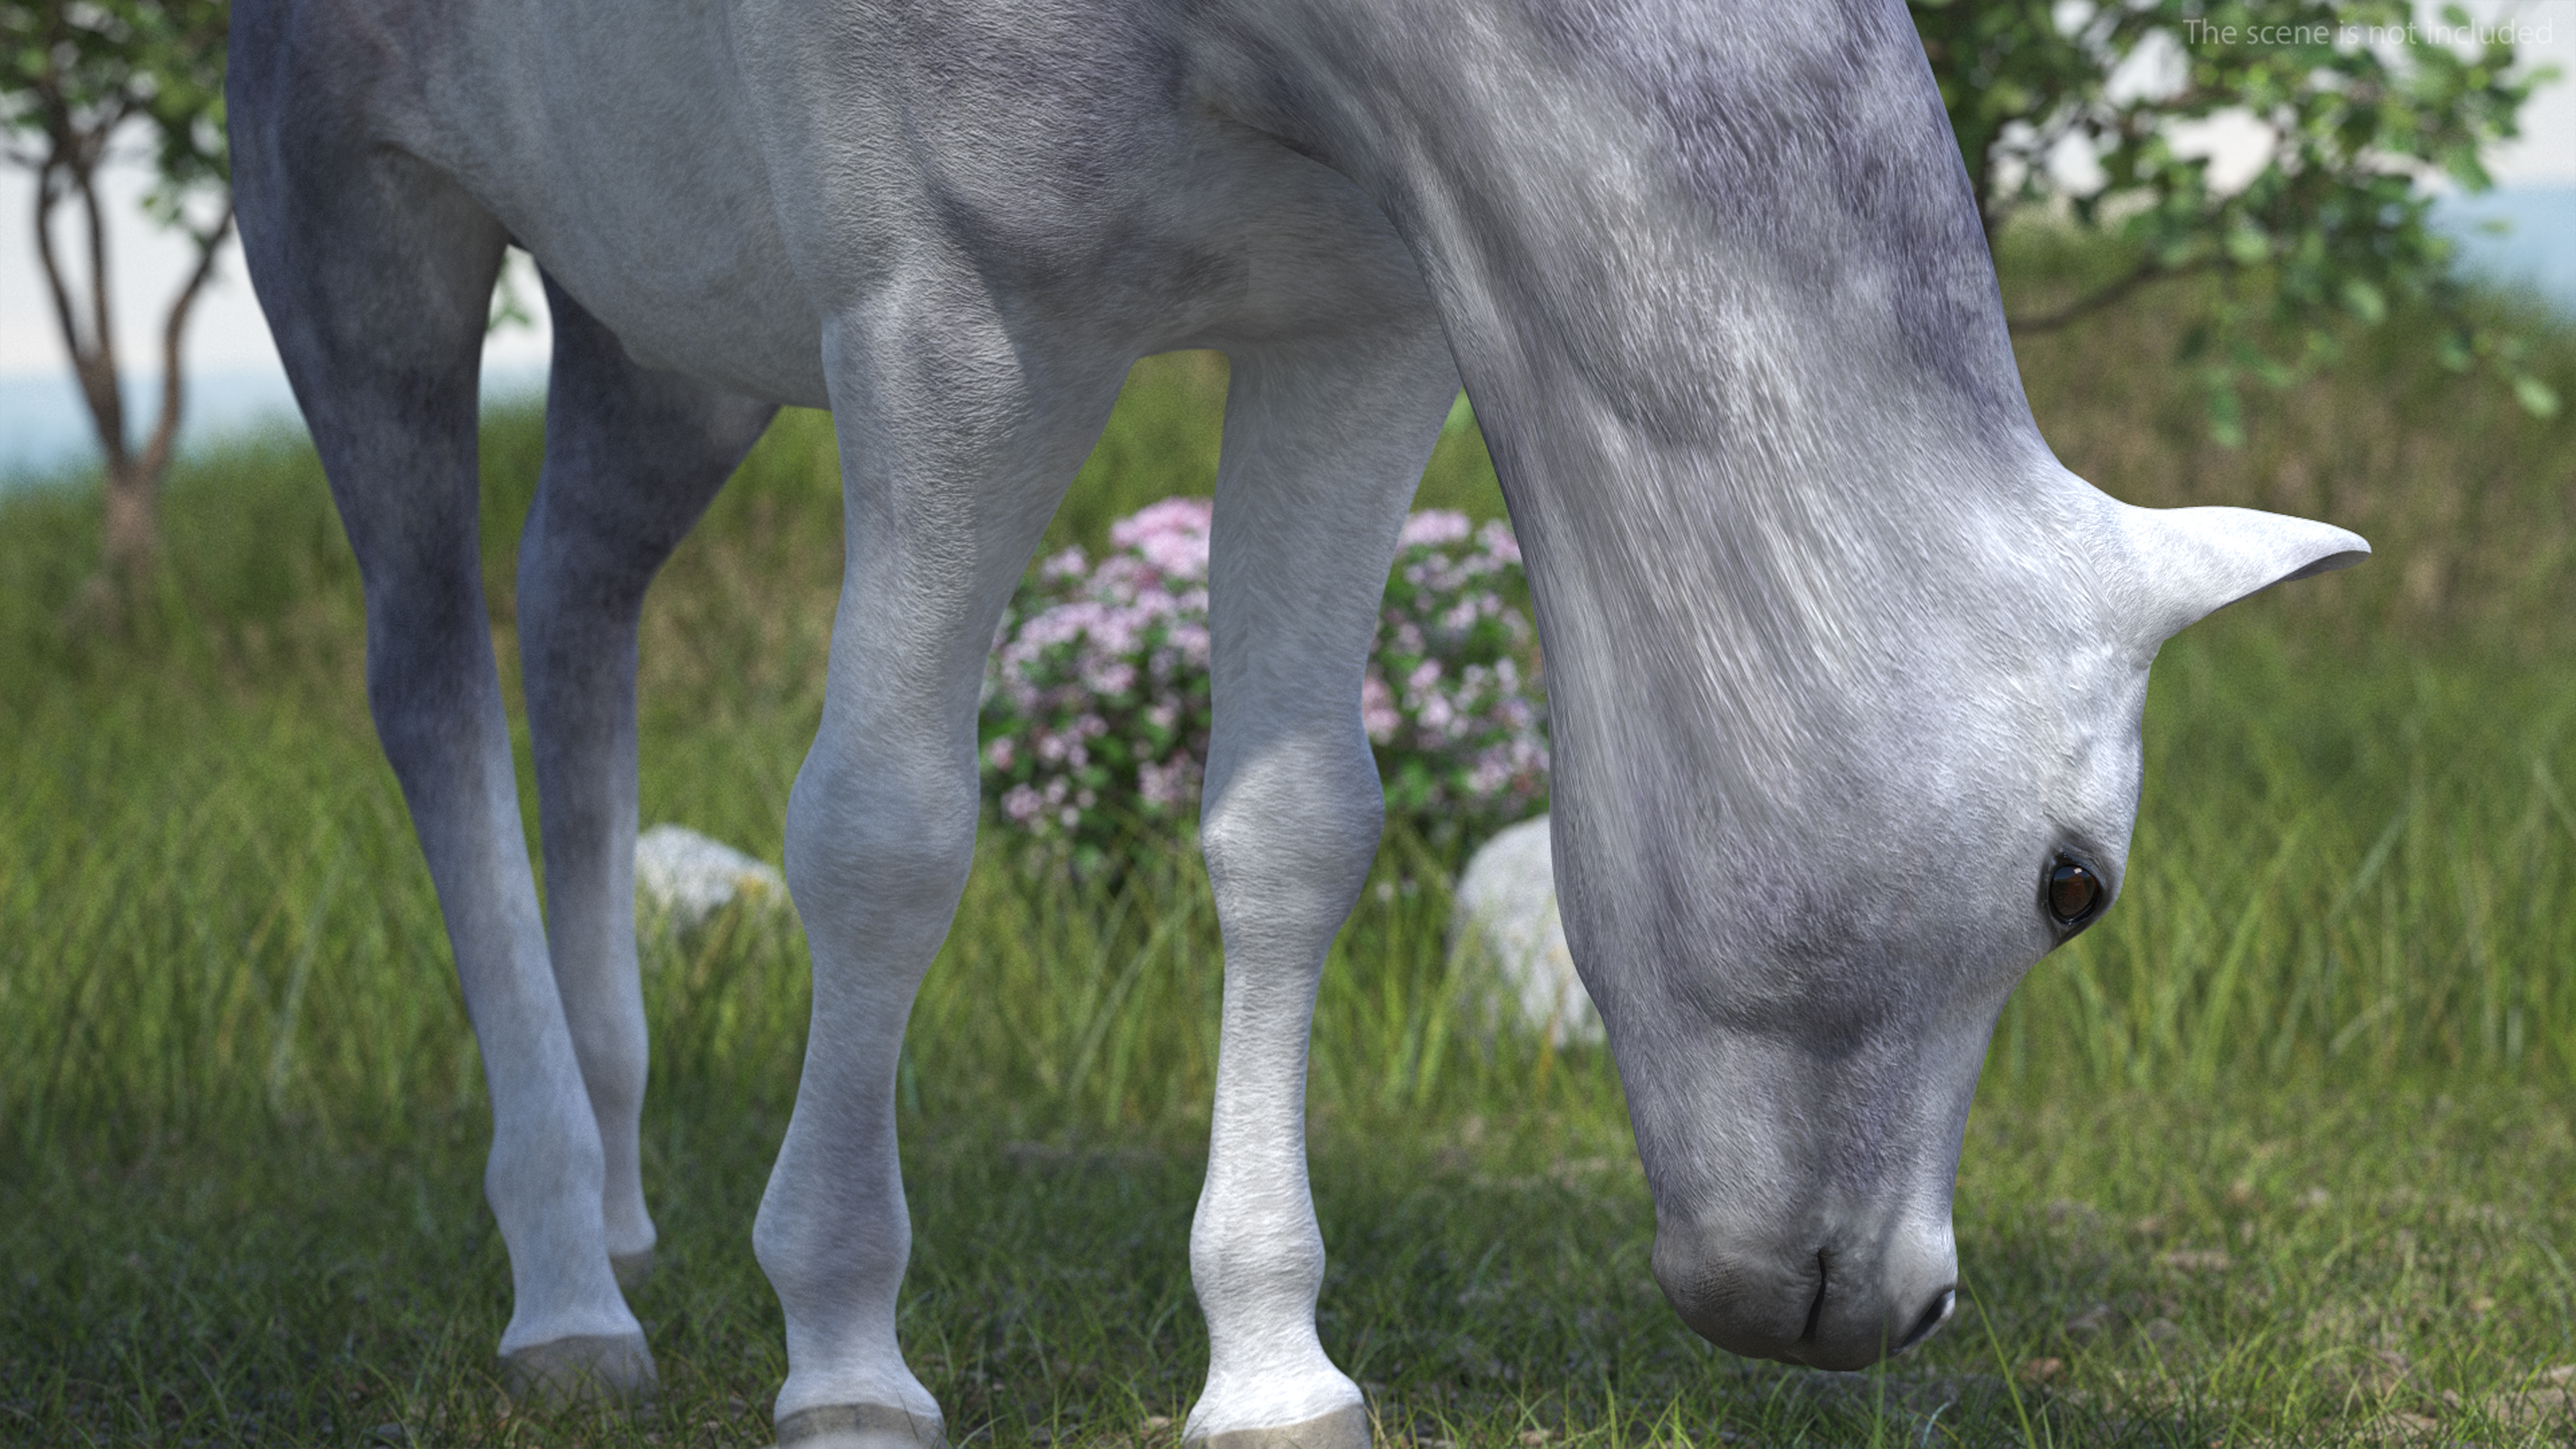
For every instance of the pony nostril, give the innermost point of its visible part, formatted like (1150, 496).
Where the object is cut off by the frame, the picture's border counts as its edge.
(1933, 1317)
(1816, 1309)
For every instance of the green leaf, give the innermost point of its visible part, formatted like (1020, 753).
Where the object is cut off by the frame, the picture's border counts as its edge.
(2537, 397)
(2226, 412)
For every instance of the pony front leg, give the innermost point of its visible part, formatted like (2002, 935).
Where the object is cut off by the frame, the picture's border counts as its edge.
(957, 439)
(1323, 448)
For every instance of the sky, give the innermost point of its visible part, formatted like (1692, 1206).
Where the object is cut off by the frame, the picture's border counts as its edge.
(235, 377)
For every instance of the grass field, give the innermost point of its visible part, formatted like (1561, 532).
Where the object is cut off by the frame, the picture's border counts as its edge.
(2279, 1153)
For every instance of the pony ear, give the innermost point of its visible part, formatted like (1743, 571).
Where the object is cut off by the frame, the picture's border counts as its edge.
(2191, 562)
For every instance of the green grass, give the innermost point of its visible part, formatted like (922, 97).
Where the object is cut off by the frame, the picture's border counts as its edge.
(2276, 1154)
(2195, 1274)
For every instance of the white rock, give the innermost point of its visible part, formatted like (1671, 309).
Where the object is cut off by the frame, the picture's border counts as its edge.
(1514, 964)
(682, 877)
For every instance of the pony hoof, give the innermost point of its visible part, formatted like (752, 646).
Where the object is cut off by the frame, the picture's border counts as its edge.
(1341, 1429)
(858, 1426)
(583, 1369)
(631, 1269)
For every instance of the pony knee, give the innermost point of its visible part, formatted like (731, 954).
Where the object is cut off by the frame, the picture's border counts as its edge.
(878, 857)
(1293, 839)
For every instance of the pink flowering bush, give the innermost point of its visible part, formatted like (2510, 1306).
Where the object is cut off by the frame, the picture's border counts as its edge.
(1452, 701)
(1095, 717)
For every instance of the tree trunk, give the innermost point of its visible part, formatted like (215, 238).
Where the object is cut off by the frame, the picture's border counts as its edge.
(133, 532)
(132, 529)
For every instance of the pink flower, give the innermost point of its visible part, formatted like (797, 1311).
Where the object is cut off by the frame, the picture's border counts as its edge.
(1378, 714)
(1436, 716)
(1021, 805)
(1433, 526)
(1167, 784)
(1171, 535)
(1001, 753)
(1179, 515)
(1118, 578)
(1109, 676)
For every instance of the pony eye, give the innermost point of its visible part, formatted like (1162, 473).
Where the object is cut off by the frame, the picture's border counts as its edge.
(2073, 891)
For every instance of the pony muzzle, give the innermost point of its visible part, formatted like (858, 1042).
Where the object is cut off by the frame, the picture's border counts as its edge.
(1830, 1305)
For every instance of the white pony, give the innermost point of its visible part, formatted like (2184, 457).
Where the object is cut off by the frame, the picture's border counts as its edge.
(1845, 669)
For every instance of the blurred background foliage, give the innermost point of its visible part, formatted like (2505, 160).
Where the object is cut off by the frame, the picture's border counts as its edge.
(2100, 118)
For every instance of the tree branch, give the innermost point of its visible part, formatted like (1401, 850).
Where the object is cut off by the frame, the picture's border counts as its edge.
(99, 370)
(93, 350)
(165, 426)
(48, 195)
(2088, 305)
